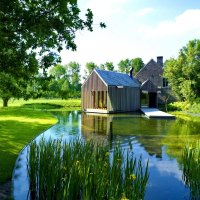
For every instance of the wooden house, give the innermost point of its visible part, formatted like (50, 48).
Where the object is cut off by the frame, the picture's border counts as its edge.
(110, 92)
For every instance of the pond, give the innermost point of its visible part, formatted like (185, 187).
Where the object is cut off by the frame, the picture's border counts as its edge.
(159, 141)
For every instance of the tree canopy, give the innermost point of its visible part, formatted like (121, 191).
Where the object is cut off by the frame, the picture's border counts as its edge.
(107, 66)
(137, 64)
(183, 73)
(65, 81)
(32, 33)
(124, 65)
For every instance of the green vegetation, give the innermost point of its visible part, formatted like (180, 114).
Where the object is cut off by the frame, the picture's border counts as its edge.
(185, 110)
(193, 107)
(191, 169)
(125, 65)
(78, 170)
(183, 72)
(26, 46)
(65, 81)
(23, 121)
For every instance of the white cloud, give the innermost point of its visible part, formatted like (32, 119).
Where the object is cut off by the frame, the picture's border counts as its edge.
(187, 22)
(127, 37)
(144, 11)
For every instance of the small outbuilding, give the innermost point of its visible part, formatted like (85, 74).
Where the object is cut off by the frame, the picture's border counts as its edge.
(110, 92)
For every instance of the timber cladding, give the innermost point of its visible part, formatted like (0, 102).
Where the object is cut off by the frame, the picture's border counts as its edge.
(94, 83)
(123, 99)
(97, 94)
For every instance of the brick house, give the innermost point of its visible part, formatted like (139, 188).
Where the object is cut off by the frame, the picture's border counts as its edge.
(154, 87)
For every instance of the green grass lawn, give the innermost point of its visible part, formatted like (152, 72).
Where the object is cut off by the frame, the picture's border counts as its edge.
(21, 122)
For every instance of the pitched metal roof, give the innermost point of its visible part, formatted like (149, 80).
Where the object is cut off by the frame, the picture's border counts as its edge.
(117, 79)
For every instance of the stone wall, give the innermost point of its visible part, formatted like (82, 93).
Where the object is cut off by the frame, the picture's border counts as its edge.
(152, 71)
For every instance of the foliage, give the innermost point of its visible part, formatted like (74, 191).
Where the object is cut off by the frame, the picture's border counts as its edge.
(191, 169)
(178, 106)
(193, 107)
(89, 67)
(124, 65)
(183, 73)
(78, 170)
(32, 33)
(137, 64)
(107, 66)
(65, 81)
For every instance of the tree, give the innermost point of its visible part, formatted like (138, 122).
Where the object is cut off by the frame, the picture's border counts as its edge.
(124, 65)
(73, 71)
(58, 71)
(183, 73)
(107, 66)
(137, 64)
(32, 33)
(89, 67)
(65, 80)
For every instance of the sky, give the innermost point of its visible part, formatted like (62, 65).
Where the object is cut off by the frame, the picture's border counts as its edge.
(135, 28)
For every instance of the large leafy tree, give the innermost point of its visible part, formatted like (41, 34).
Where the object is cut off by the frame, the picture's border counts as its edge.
(65, 81)
(89, 67)
(183, 73)
(124, 66)
(73, 71)
(137, 64)
(107, 66)
(32, 33)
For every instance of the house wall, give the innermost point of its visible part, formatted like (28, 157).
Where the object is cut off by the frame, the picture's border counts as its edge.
(93, 83)
(151, 71)
(125, 99)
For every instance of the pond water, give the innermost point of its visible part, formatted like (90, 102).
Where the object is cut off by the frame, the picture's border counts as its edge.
(159, 141)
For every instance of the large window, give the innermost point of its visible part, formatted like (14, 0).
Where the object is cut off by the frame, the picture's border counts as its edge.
(100, 99)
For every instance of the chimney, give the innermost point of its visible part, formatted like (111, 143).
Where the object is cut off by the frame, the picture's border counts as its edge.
(131, 72)
(160, 60)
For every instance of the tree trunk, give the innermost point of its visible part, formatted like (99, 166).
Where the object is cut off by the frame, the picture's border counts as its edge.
(5, 102)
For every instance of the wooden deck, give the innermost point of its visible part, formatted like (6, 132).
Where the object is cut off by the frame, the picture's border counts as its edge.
(155, 113)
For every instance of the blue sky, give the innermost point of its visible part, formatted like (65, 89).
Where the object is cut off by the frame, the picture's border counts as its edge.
(135, 28)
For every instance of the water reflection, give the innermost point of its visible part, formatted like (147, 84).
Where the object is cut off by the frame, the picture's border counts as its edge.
(159, 141)
(149, 133)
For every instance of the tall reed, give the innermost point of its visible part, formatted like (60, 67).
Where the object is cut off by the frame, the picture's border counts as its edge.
(191, 169)
(84, 171)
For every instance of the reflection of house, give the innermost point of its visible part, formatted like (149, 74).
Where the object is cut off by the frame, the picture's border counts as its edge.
(127, 127)
(153, 84)
(110, 92)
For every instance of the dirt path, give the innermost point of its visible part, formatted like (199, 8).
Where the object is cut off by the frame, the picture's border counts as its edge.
(5, 191)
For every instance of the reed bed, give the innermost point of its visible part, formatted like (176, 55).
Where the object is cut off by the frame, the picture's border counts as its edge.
(191, 169)
(81, 170)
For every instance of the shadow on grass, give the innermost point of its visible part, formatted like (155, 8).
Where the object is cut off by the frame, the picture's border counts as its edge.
(42, 106)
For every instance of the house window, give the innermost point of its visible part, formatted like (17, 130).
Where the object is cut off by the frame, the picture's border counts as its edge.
(165, 82)
(100, 99)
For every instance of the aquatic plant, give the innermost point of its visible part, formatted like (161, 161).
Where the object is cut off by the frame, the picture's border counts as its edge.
(191, 169)
(84, 170)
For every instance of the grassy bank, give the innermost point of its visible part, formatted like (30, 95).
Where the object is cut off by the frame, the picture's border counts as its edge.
(20, 123)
